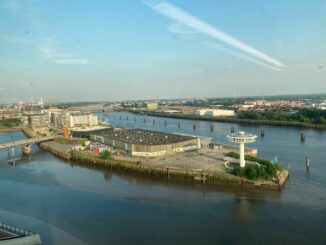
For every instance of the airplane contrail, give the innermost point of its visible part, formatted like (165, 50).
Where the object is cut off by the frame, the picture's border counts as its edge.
(201, 26)
(218, 47)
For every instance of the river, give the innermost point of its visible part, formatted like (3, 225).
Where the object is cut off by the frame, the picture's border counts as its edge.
(69, 204)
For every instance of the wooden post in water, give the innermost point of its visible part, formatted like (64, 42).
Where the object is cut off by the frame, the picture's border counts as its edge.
(302, 136)
(211, 128)
(232, 130)
(262, 132)
(179, 125)
(165, 123)
(194, 126)
(307, 162)
(307, 166)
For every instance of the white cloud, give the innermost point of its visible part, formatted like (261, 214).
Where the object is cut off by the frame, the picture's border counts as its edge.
(51, 53)
(71, 61)
(201, 26)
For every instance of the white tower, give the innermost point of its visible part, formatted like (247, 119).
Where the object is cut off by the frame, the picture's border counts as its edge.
(242, 138)
(40, 103)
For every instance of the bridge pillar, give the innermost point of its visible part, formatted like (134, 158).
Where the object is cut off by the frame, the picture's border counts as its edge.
(26, 149)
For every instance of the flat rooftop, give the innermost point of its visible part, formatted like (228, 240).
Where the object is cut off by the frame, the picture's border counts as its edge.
(144, 137)
(90, 129)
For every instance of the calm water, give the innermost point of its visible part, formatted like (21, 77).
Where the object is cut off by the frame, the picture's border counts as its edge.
(69, 204)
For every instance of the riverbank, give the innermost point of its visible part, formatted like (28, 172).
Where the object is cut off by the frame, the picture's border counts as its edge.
(10, 129)
(230, 120)
(206, 166)
(191, 167)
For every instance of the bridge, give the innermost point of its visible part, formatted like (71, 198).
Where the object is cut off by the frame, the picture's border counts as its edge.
(26, 142)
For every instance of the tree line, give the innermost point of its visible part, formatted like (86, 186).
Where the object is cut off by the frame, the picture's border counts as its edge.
(313, 116)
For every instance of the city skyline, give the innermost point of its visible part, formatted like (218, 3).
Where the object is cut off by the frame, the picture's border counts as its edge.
(131, 50)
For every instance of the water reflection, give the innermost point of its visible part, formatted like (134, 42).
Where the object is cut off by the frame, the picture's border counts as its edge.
(242, 210)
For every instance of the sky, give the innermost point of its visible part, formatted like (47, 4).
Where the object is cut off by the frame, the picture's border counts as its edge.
(101, 50)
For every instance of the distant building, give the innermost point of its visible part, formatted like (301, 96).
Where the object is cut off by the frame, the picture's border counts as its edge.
(152, 106)
(200, 112)
(37, 121)
(214, 112)
(40, 103)
(187, 110)
(66, 121)
(82, 119)
(147, 143)
(21, 105)
(61, 119)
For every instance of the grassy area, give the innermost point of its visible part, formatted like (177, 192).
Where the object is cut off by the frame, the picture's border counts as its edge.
(265, 170)
(98, 159)
(10, 122)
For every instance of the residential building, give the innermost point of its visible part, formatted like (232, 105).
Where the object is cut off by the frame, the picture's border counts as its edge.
(38, 121)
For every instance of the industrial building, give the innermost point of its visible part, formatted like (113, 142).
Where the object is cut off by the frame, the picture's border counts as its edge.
(86, 132)
(152, 106)
(214, 112)
(147, 143)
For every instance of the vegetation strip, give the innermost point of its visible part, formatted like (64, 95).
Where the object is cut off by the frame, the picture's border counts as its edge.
(263, 170)
(233, 120)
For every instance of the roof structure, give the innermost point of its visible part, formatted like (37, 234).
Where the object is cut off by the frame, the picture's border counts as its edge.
(242, 137)
(144, 137)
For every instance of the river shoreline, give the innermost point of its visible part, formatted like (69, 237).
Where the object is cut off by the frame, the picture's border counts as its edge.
(205, 177)
(231, 120)
(10, 129)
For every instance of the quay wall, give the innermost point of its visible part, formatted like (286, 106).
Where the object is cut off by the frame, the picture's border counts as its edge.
(210, 178)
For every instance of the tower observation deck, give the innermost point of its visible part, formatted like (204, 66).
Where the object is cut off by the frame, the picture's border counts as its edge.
(242, 138)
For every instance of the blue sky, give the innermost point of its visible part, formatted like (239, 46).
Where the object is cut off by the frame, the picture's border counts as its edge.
(130, 49)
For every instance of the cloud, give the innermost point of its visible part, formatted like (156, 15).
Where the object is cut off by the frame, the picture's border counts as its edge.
(238, 55)
(71, 61)
(203, 27)
(51, 53)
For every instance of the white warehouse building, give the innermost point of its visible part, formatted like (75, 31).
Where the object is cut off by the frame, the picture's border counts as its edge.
(214, 112)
